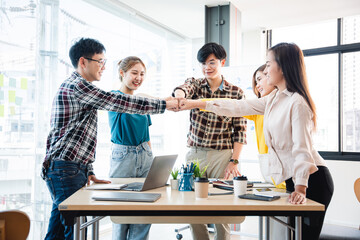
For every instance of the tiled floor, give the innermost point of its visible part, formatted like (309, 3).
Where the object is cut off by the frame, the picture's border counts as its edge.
(167, 231)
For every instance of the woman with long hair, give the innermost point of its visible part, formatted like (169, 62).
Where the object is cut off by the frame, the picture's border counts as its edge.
(289, 120)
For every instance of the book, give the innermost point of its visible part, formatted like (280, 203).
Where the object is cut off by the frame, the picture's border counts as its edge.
(106, 186)
(227, 185)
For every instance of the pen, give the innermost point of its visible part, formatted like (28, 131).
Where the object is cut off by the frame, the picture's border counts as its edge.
(224, 182)
(226, 193)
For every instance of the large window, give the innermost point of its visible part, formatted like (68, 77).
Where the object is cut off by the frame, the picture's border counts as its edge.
(332, 57)
(35, 37)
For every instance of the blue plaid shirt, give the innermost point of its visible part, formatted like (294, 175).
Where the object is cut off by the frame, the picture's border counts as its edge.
(74, 118)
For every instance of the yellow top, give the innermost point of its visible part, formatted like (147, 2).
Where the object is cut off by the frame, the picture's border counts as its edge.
(260, 139)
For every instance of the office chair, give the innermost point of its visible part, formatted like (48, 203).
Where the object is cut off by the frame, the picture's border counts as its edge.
(234, 228)
(357, 189)
(17, 224)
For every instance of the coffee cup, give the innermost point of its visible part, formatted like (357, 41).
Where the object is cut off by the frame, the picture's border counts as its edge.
(240, 185)
(201, 188)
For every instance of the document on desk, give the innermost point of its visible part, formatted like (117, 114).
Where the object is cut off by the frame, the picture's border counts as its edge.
(263, 185)
(106, 186)
(270, 193)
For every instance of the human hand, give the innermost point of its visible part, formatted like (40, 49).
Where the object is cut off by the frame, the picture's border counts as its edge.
(95, 180)
(187, 104)
(231, 169)
(299, 195)
(172, 104)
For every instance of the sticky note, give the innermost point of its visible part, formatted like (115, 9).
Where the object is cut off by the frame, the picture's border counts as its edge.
(12, 96)
(2, 109)
(24, 83)
(2, 95)
(12, 110)
(1, 80)
(18, 100)
(12, 82)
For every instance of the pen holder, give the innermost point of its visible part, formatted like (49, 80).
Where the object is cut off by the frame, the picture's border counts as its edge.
(186, 182)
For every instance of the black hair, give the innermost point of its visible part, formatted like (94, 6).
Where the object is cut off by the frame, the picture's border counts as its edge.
(84, 47)
(291, 61)
(210, 48)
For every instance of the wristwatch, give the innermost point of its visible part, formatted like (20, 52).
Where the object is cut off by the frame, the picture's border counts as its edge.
(234, 161)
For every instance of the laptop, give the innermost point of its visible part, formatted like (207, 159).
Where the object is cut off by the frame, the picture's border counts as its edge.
(126, 196)
(158, 174)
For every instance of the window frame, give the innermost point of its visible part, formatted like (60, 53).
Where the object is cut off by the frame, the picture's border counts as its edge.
(338, 49)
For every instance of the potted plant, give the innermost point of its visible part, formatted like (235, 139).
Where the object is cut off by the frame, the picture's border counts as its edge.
(199, 173)
(174, 181)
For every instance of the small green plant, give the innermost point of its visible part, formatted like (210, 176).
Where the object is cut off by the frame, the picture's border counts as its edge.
(197, 171)
(174, 173)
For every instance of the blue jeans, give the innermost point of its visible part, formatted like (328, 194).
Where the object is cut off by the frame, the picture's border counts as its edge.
(130, 162)
(62, 178)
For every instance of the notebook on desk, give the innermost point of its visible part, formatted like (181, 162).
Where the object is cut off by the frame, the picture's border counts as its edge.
(158, 174)
(227, 184)
(126, 196)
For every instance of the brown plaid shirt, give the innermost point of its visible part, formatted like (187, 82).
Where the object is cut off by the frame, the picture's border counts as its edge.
(207, 129)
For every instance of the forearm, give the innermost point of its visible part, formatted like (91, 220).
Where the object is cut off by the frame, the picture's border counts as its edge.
(300, 189)
(237, 150)
(95, 98)
(236, 108)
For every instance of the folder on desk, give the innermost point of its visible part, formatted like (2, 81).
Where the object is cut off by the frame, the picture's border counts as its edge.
(126, 196)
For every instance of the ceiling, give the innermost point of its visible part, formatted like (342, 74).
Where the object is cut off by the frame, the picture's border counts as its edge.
(186, 17)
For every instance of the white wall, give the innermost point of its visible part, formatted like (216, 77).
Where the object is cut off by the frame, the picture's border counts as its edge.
(344, 208)
(253, 51)
(197, 43)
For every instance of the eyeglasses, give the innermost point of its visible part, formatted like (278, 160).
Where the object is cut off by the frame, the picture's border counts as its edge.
(101, 62)
(211, 64)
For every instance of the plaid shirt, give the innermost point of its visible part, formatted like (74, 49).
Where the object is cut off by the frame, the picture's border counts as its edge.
(207, 129)
(74, 118)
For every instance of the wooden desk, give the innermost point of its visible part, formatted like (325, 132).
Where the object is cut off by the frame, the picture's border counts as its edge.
(182, 207)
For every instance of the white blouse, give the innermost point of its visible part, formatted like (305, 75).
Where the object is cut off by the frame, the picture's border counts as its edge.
(287, 128)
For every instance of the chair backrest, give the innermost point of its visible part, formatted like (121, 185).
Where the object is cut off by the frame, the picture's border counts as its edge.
(357, 189)
(17, 224)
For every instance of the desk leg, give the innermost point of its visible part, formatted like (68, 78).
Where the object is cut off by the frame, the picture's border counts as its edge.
(95, 229)
(267, 228)
(77, 228)
(261, 232)
(288, 230)
(298, 229)
(82, 231)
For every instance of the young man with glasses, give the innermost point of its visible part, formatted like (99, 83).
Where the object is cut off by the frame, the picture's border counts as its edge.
(216, 141)
(71, 143)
